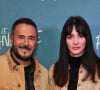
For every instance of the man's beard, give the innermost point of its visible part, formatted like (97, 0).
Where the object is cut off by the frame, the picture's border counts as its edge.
(16, 53)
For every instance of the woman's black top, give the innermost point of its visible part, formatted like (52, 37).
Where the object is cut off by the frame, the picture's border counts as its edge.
(74, 70)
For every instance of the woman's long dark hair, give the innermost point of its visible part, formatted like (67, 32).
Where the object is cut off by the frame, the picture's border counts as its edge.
(61, 68)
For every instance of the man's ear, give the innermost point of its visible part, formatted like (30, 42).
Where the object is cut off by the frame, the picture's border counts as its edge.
(11, 38)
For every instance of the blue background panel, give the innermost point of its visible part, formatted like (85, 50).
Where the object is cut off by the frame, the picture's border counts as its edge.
(50, 16)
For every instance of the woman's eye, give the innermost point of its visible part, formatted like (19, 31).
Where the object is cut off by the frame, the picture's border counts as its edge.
(69, 36)
(81, 35)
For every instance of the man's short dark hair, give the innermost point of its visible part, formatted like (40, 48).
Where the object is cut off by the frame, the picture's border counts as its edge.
(21, 21)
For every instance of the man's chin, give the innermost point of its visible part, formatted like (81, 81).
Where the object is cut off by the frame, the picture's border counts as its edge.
(24, 58)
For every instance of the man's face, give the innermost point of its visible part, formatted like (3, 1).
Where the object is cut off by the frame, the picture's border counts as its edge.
(24, 41)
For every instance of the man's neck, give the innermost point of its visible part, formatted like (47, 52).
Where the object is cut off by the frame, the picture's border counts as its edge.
(22, 62)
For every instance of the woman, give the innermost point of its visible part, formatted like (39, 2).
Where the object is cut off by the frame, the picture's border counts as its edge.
(78, 66)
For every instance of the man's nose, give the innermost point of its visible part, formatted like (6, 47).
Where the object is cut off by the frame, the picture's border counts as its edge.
(26, 41)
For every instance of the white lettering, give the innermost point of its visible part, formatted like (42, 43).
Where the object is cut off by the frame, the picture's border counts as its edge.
(98, 42)
(4, 38)
(39, 40)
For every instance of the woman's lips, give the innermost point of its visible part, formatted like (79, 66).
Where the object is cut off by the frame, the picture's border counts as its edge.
(76, 48)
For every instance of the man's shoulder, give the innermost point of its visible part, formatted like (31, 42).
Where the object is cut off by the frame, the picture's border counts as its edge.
(43, 68)
(51, 68)
(40, 66)
(3, 61)
(2, 57)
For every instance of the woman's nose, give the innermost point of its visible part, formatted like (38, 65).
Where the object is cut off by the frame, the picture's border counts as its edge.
(75, 41)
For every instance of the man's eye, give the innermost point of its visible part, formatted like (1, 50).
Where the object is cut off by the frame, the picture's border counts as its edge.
(32, 38)
(20, 37)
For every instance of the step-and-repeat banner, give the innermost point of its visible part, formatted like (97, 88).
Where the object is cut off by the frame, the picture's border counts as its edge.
(50, 16)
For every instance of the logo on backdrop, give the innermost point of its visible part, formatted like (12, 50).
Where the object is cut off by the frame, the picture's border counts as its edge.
(98, 42)
(5, 37)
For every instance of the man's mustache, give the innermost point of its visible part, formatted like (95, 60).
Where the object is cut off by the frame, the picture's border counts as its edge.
(25, 47)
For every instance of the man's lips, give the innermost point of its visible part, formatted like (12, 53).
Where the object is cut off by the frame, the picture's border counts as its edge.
(24, 47)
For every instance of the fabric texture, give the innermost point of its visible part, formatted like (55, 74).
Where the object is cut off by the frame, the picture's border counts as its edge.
(81, 85)
(12, 75)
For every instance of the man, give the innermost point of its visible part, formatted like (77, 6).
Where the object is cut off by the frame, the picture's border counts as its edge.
(19, 69)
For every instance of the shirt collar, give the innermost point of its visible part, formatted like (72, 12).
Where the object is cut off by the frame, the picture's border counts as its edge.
(13, 65)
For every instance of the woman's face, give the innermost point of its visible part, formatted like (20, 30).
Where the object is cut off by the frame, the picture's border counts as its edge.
(75, 43)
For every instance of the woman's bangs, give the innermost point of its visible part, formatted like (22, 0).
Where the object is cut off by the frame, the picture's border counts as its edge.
(80, 29)
(69, 30)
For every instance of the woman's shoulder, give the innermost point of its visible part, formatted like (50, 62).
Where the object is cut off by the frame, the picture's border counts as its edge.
(51, 68)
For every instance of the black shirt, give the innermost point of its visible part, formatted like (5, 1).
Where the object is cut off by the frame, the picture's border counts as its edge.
(74, 64)
(29, 76)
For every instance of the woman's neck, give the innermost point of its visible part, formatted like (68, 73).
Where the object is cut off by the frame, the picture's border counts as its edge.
(75, 61)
